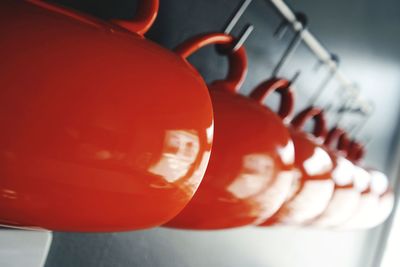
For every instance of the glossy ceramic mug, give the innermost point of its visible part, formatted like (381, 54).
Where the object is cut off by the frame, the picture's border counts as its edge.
(102, 130)
(380, 186)
(377, 200)
(375, 204)
(356, 151)
(311, 195)
(249, 174)
(347, 193)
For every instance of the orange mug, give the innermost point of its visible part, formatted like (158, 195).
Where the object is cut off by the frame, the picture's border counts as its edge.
(380, 186)
(311, 195)
(347, 193)
(376, 201)
(375, 205)
(249, 174)
(102, 130)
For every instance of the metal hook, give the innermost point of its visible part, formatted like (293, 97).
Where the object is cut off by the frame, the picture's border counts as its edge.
(318, 65)
(328, 108)
(348, 100)
(295, 77)
(339, 117)
(363, 108)
(367, 141)
(232, 23)
(243, 37)
(238, 42)
(236, 16)
(367, 115)
(299, 26)
(344, 107)
(366, 110)
(321, 88)
(332, 58)
(336, 59)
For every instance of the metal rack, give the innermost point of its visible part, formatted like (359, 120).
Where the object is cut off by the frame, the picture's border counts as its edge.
(321, 53)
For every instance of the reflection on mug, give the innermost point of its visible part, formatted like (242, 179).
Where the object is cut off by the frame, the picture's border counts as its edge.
(194, 181)
(180, 151)
(310, 202)
(379, 182)
(257, 171)
(343, 173)
(296, 183)
(342, 206)
(362, 179)
(271, 199)
(210, 133)
(319, 163)
(364, 214)
(374, 207)
(287, 153)
(9, 194)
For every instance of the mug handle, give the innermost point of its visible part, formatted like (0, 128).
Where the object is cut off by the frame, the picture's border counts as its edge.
(237, 69)
(355, 151)
(339, 135)
(309, 113)
(146, 14)
(281, 86)
(360, 153)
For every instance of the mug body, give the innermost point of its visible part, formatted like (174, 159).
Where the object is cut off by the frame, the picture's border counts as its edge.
(102, 130)
(311, 195)
(345, 198)
(250, 170)
(376, 202)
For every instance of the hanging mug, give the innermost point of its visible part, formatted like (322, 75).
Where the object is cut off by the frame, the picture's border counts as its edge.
(347, 193)
(311, 195)
(102, 129)
(377, 200)
(380, 186)
(249, 174)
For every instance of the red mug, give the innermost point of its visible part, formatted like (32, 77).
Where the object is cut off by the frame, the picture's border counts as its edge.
(380, 187)
(249, 174)
(375, 205)
(311, 195)
(102, 130)
(347, 191)
(376, 201)
(362, 179)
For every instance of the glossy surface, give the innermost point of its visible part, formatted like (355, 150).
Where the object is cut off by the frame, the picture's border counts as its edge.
(250, 171)
(376, 199)
(346, 196)
(311, 195)
(375, 204)
(102, 130)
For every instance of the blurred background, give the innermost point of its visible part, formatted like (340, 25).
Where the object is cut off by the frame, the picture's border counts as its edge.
(365, 34)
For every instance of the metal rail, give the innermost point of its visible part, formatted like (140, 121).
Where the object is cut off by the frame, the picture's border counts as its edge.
(317, 48)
